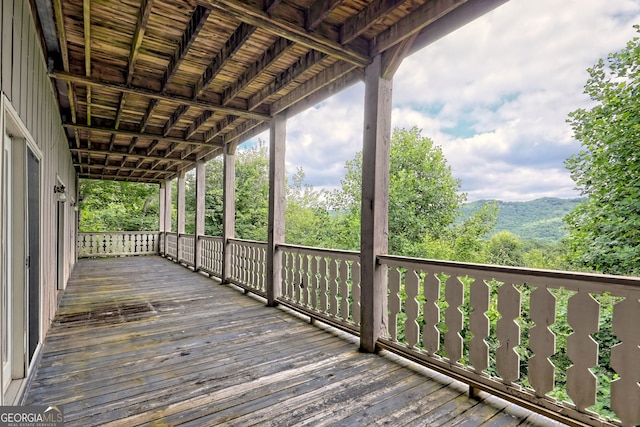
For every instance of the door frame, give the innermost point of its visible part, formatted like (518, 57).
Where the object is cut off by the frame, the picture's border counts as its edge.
(22, 142)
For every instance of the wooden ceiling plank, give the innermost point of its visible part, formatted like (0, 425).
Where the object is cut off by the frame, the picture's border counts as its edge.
(358, 24)
(428, 13)
(286, 77)
(197, 20)
(275, 51)
(135, 134)
(245, 12)
(318, 11)
(233, 44)
(158, 95)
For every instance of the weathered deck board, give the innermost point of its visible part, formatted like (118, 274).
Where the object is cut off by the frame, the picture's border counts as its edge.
(141, 341)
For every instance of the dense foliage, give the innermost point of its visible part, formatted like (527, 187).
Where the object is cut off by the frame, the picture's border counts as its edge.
(605, 229)
(117, 206)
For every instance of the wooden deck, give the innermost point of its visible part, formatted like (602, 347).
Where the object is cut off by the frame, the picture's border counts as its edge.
(144, 341)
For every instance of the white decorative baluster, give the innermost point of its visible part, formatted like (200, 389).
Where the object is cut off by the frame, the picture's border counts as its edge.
(355, 291)
(508, 333)
(454, 295)
(412, 309)
(479, 325)
(344, 289)
(394, 302)
(542, 341)
(582, 315)
(333, 287)
(625, 359)
(297, 276)
(431, 333)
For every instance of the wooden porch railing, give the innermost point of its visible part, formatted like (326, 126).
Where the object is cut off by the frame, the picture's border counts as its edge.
(514, 332)
(120, 243)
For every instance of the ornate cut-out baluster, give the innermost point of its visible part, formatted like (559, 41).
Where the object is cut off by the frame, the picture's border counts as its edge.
(412, 309)
(304, 280)
(313, 283)
(582, 316)
(344, 289)
(542, 341)
(454, 295)
(297, 276)
(479, 325)
(288, 262)
(430, 332)
(333, 287)
(323, 285)
(625, 358)
(394, 302)
(355, 291)
(508, 333)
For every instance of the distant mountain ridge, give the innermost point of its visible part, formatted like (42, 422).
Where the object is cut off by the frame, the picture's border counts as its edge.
(539, 219)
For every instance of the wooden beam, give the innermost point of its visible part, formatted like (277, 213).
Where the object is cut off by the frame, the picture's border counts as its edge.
(62, 37)
(141, 27)
(197, 123)
(86, 13)
(270, 5)
(103, 177)
(245, 12)
(459, 17)
(175, 118)
(425, 15)
(392, 58)
(285, 78)
(152, 147)
(275, 51)
(312, 85)
(139, 135)
(216, 130)
(134, 155)
(197, 20)
(233, 44)
(363, 20)
(132, 145)
(128, 169)
(188, 151)
(318, 11)
(117, 87)
(153, 103)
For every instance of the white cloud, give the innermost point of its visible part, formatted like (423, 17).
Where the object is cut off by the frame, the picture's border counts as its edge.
(494, 94)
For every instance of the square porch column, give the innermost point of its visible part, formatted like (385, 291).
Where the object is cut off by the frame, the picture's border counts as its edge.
(167, 212)
(277, 203)
(228, 208)
(181, 209)
(162, 208)
(375, 204)
(200, 212)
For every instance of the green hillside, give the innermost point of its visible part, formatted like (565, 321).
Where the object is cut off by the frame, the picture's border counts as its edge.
(539, 219)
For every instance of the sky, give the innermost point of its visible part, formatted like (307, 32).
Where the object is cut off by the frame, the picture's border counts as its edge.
(494, 95)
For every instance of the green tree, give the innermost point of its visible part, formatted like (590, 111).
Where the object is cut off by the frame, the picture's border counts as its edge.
(423, 195)
(505, 248)
(605, 229)
(117, 206)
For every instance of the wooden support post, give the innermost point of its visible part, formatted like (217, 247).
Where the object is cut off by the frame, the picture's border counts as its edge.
(228, 208)
(375, 204)
(181, 209)
(162, 209)
(167, 212)
(277, 201)
(200, 211)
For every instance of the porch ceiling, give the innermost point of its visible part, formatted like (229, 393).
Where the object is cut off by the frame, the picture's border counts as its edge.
(148, 87)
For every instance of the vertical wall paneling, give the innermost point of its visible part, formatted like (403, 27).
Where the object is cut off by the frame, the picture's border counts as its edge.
(16, 37)
(7, 50)
(24, 63)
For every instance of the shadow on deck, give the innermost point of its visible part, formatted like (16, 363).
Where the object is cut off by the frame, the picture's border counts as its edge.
(144, 341)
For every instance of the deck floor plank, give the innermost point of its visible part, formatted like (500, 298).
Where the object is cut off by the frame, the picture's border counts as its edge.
(144, 341)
